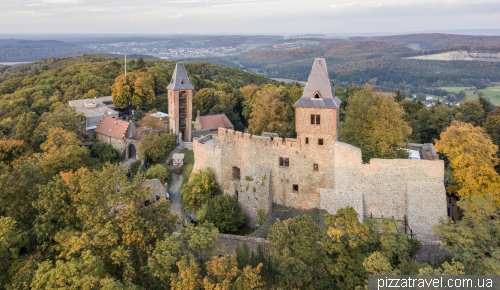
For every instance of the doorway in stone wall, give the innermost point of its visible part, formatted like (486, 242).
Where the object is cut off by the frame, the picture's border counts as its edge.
(132, 153)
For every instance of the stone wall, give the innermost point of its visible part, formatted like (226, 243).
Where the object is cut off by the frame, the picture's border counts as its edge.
(388, 187)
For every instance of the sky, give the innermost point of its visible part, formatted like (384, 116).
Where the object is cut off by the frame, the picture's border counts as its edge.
(331, 17)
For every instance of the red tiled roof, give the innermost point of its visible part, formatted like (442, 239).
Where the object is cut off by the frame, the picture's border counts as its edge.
(112, 127)
(214, 122)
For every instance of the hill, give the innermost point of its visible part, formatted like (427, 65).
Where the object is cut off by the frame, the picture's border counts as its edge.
(432, 41)
(15, 50)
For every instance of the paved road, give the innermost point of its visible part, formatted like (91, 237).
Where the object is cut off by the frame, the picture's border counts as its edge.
(176, 185)
(175, 194)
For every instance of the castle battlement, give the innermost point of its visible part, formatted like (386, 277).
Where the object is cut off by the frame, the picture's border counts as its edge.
(230, 135)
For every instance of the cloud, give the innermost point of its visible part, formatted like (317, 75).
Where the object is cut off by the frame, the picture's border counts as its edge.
(245, 16)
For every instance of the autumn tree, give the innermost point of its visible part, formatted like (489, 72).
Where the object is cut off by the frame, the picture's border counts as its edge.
(374, 123)
(62, 151)
(152, 124)
(472, 157)
(11, 150)
(62, 117)
(475, 240)
(136, 89)
(271, 112)
(248, 91)
(200, 188)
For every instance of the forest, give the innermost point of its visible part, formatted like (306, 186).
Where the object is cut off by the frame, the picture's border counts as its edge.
(71, 217)
(14, 50)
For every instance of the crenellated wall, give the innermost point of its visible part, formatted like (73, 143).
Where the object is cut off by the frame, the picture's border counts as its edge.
(388, 187)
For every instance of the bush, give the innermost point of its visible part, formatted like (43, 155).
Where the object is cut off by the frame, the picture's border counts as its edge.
(224, 213)
(160, 172)
(200, 188)
(103, 152)
(134, 167)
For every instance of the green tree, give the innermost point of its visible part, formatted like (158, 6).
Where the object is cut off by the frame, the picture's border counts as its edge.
(374, 124)
(87, 272)
(271, 112)
(399, 96)
(200, 188)
(160, 172)
(136, 89)
(18, 189)
(25, 126)
(470, 111)
(204, 100)
(104, 152)
(475, 240)
(298, 257)
(157, 146)
(472, 157)
(223, 212)
(492, 126)
(347, 245)
(63, 117)
(12, 239)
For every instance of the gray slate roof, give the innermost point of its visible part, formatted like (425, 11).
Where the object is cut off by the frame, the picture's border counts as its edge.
(180, 80)
(319, 82)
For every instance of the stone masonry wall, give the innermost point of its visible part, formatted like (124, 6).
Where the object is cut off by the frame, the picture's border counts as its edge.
(395, 187)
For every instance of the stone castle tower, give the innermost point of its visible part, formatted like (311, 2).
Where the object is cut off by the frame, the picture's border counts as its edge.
(317, 111)
(180, 100)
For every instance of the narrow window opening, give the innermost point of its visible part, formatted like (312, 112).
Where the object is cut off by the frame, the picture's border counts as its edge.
(307, 140)
(236, 173)
(295, 188)
(315, 167)
(284, 162)
(315, 119)
(320, 141)
(182, 81)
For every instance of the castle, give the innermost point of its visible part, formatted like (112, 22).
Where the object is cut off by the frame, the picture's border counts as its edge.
(315, 170)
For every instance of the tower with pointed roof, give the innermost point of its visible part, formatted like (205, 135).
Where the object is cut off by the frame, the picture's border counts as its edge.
(317, 111)
(180, 100)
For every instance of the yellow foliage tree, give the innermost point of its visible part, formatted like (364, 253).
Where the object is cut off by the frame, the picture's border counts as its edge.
(137, 88)
(472, 157)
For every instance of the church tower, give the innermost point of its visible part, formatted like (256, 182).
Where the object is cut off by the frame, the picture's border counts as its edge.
(317, 111)
(180, 100)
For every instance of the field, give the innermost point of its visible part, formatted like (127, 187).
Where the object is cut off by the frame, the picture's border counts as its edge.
(414, 46)
(493, 93)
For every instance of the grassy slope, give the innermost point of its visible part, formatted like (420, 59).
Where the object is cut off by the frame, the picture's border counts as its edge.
(493, 93)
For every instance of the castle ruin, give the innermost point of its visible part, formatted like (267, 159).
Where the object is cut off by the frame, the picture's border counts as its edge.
(315, 170)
